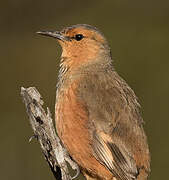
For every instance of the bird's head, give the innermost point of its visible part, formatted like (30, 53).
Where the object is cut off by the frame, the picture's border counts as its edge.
(80, 43)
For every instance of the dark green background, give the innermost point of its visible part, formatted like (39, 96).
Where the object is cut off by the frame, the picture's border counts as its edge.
(138, 33)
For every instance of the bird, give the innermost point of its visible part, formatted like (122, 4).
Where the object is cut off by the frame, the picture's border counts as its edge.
(97, 114)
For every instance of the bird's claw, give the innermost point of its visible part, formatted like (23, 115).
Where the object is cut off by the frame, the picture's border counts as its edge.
(77, 173)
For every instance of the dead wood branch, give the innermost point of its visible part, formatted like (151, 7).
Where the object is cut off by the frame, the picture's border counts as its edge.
(43, 128)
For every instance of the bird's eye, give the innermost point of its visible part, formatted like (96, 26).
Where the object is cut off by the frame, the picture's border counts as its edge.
(78, 37)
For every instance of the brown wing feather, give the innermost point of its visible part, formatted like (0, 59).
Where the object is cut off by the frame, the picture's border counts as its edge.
(119, 142)
(122, 165)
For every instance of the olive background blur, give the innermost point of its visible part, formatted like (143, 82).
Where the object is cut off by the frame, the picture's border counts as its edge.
(138, 33)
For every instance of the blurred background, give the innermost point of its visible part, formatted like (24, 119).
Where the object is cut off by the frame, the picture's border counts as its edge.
(138, 33)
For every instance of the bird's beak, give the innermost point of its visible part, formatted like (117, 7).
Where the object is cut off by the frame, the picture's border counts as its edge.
(54, 34)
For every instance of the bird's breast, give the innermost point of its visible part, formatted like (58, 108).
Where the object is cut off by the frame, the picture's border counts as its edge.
(73, 128)
(71, 119)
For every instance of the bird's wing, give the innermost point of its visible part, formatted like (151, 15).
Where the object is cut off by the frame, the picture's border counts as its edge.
(106, 103)
(115, 158)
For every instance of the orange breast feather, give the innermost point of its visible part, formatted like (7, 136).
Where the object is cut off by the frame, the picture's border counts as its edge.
(73, 129)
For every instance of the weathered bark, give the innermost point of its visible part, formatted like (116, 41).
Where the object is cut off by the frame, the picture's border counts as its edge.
(43, 128)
